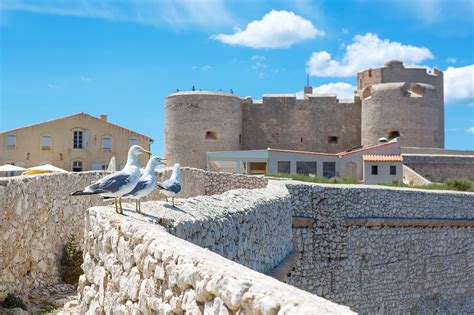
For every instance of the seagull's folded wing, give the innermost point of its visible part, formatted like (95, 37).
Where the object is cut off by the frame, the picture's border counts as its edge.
(111, 183)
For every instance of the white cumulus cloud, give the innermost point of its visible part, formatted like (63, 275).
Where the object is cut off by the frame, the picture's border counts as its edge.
(343, 90)
(459, 84)
(277, 29)
(471, 130)
(366, 51)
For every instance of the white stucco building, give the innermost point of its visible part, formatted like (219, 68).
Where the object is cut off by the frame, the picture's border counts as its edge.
(371, 164)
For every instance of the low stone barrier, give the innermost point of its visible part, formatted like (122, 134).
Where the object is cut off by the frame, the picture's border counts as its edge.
(37, 215)
(133, 266)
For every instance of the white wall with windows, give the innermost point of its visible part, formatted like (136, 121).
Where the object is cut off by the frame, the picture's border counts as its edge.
(382, 172)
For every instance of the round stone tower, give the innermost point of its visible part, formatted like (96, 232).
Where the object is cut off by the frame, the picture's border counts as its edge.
(402, 102)
(197, 122)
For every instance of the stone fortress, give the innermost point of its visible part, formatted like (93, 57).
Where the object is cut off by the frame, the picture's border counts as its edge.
(391, 101)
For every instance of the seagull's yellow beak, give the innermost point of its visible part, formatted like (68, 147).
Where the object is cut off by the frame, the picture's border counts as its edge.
(146, 152)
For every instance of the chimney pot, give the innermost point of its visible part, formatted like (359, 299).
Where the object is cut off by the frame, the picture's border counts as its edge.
(103, 117)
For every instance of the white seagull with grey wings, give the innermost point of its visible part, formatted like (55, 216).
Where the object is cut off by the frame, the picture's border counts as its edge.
(172, 186)
(118, 184)
(147, 182)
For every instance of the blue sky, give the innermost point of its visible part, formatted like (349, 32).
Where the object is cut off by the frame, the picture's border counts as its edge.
(122, 58)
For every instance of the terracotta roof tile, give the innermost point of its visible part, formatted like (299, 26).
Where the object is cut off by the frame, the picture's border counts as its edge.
(382, 158)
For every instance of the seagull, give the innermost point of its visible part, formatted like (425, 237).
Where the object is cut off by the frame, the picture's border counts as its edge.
(120, 183)
(146, 183)
(172, 186)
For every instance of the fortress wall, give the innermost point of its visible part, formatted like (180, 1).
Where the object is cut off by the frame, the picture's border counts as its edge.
(354, 254)
(287, 123)
(197, 122)
(396, 107)
(37, 215)
(132, 265)
(439, 168)
(197, 182)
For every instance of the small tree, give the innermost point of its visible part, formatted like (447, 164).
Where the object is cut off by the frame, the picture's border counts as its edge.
(71, 261)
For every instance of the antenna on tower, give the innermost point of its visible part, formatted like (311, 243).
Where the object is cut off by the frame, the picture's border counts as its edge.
(307, 80)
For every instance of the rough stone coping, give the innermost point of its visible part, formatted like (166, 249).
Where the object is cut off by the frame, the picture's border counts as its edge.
(381, 187)
(5, 180)
(180, 93)
(232, 282)
(370, 222)
(302, 222)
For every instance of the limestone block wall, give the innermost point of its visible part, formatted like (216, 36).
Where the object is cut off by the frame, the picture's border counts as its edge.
(196, 182)
(36, 217)
(283, 122)
(439, 168)
(416, 257)
(197, 122)
(133, 265)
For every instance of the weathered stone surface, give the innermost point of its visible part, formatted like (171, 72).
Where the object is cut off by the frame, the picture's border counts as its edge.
(417, 244)
(37, 215)
(190, 278)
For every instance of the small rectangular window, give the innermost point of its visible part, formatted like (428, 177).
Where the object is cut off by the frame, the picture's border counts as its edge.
(375, 169)
(107, 143)
(132, 141)
(306, 168)
(284, 167)
(329, 169)
(393, 170)
(77, 140)
(333, 139)
(45, 142)
(11, 141)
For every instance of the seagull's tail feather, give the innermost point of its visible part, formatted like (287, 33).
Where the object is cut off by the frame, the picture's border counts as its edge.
(83, 193)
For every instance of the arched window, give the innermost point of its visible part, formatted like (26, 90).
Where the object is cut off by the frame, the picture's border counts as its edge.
(132, 141)
(393, 135)
(107, 143)
(211, 135)
(77, 139)
(77, 166)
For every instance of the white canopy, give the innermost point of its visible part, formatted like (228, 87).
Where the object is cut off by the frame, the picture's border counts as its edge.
(46, 168)
(11, 168)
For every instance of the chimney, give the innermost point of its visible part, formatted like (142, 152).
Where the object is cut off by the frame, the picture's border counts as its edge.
(103, 117)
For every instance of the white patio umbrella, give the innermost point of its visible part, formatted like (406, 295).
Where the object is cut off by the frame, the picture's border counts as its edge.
(46, 168)
(11, 168)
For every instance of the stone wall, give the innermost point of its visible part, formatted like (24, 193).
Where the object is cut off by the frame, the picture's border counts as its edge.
(133, 266)
(196, 182)
(37, 215)
(439, 168)
(283, 122)
(413, 263)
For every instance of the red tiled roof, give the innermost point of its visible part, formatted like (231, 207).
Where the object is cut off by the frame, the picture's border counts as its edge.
(382, 158)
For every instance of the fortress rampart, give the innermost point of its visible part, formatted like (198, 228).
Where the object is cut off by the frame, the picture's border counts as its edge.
(391, 101)
(197, 122)
(371, 248)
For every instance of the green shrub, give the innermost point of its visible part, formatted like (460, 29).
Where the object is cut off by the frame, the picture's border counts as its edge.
(71, 261)
(462, 184)
(13, 301)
